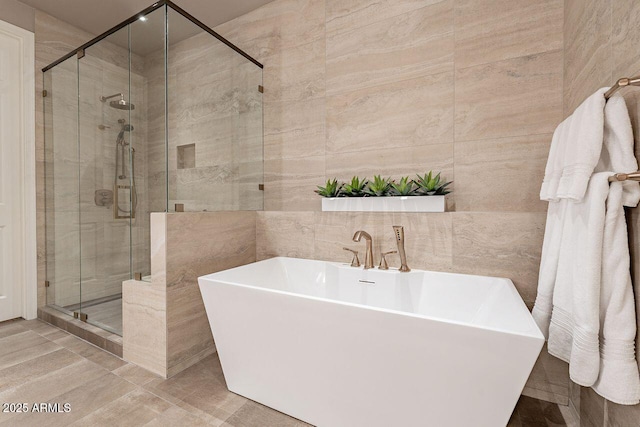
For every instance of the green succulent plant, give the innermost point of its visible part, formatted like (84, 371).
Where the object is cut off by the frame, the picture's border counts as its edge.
(402, 188)
(430, 185)
(378, 187)
(332, 189)
(355, 188)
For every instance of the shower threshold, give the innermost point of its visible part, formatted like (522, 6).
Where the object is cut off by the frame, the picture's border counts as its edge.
(105, 312)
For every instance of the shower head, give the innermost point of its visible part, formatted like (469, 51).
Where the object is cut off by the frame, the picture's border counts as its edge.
(120, 104)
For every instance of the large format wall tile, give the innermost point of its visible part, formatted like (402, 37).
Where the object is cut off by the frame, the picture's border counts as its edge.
(406, 113)
(295, 74)
(335, 230)
(144, 325)
(288, 234)
(398, 48)
(592, 408)
(521, 96)
(198, 244)
(428, 239)
(276, 26)
(625, 38)
(490, 30)
(500, 244)
(294, 129)
(549, 379)
(622, 415)
(346, 15)
(587, 47)
(393, 162)
(289, 183)
(501, 174)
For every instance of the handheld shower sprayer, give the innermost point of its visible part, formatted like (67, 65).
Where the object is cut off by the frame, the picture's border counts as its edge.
(398, 231)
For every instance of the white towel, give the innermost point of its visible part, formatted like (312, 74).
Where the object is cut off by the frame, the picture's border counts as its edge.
(585, 300)
(567, 305)
(618, 380)
(575, 150)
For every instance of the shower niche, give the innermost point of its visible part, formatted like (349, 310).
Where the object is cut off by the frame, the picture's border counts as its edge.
(157, 112)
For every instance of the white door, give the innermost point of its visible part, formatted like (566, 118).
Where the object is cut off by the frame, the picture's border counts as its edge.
(13, 135)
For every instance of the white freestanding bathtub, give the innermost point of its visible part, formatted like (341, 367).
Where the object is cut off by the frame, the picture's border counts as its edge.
(336, 346)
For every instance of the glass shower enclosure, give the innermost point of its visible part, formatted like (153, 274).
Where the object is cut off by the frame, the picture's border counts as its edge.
(159, 114)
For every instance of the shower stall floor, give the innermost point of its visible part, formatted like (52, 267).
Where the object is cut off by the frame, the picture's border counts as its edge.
(105, 313)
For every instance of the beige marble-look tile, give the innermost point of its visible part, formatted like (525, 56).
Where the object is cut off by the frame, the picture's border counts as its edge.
(134, 374)
(294, 129)
(34, 368)
(288, 234)
(295, 74)
(501, 174)
(625, 38)
(276, 26)
(11, 328)
(290, 183)
(592, 408)
(158, 250)
(49, 387)
(191, 253)
(144, 311)
(398, 48)
(500, 244)
(587, 50)
(133, 409)
(252, 414)
(394, 162)
(549, 379)
(346, 15)
(335, 230)
(20, 347)
(521, 96)
(408, 113)
(622, 415)
(82, 400)
(174, 416)
(489, 30)
(428, 239)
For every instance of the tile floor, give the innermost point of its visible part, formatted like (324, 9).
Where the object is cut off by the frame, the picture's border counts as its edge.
(41, 363)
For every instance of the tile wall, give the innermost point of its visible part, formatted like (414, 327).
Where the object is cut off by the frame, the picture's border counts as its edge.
(165, 325)
(601, 45)
(473, 88)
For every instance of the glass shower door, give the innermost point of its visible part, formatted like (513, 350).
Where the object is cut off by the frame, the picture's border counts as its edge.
(62, 213)
(106, 123)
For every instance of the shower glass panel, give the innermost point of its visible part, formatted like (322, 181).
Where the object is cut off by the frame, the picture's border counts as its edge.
(215, 122)
(62, 179)
(107, 80)
(158, 111)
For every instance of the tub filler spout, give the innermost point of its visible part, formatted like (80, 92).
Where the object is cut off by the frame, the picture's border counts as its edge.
(368, 257)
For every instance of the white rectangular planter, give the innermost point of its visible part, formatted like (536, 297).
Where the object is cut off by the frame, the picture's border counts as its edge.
(384, 204)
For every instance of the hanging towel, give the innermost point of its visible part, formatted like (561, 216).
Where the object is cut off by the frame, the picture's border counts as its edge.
(585, 302)
(575, 150)
(567, 306)
(619, 379)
